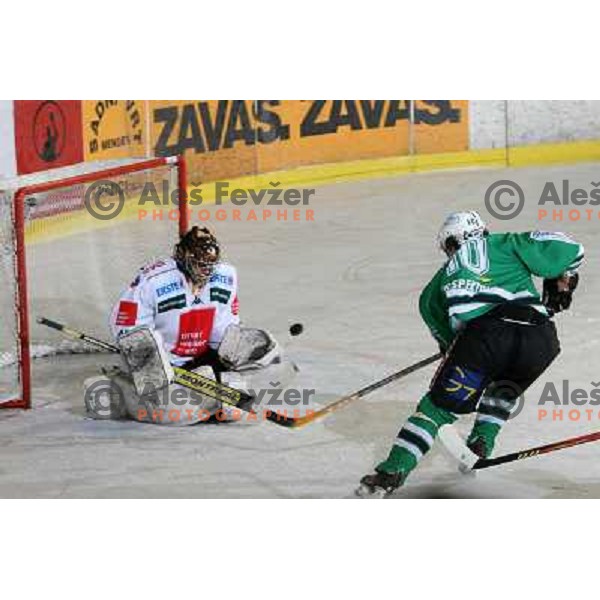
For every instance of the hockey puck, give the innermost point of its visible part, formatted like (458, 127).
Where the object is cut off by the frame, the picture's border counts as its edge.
(296, 329)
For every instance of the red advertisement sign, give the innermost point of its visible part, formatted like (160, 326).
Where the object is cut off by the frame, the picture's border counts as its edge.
(48, 134)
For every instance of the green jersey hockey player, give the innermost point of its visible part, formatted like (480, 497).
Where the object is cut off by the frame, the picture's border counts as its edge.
(495, 331)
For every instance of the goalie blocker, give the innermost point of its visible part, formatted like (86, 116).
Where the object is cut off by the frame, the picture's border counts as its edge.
(143, 389)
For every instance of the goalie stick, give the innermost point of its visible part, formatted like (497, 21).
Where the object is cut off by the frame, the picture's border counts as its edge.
(469, 461)
(241, 399)
(189, 379)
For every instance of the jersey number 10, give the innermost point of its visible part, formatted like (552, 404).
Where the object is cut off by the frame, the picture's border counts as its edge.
(472, 255)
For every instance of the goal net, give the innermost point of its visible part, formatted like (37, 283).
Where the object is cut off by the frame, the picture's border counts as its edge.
(63, 258)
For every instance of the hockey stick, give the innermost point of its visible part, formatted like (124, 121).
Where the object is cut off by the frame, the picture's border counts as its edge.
(455, 446)
(470, 461)
(245, 401)
(78, 335)
(189, 379)
(344, 400)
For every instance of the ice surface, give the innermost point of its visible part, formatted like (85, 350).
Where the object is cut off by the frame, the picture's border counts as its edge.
(352, 277)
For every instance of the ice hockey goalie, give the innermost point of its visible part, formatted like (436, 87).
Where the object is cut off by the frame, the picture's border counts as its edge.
(182, 311)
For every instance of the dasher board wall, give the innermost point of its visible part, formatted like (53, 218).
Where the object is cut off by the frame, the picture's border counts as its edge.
(224, 139)
(524, 122)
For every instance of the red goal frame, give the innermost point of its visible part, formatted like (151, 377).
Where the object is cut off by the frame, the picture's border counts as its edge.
(21, 296)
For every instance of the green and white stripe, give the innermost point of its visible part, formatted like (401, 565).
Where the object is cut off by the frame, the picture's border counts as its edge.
(417, 436)
(494, 410)
(467, 303)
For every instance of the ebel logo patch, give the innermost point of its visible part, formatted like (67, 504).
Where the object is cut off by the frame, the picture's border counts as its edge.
(220, 295)
(222, 279)
(174, 286)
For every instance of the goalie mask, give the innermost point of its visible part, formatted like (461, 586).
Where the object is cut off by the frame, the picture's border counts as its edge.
(196, 254)
(459, 227)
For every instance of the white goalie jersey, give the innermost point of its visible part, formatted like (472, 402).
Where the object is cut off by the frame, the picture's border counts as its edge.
(161, 298)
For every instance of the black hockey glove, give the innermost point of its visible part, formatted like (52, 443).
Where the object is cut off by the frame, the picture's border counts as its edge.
(555, 300)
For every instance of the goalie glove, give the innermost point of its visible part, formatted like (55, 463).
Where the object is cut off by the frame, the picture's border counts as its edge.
(558, 293)
(245, 347)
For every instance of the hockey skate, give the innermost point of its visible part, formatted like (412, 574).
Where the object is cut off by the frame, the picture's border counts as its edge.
(379, 484)
(479, 447)
(482, 439)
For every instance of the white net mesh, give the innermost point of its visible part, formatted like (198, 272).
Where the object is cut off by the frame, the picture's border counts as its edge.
(77, 264)
(9, 375)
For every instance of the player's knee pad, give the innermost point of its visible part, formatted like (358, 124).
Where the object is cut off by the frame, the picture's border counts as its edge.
(458, 388)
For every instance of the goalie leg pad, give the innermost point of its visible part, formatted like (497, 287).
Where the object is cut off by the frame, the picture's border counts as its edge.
(146, 360)
(176, 405)
(113, 396)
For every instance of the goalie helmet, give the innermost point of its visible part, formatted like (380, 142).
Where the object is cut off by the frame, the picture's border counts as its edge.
(458, 227)
(196, 254)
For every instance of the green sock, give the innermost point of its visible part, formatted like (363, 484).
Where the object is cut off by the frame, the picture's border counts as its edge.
(416, 438)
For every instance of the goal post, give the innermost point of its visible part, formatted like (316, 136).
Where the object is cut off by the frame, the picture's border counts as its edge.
(61, 259)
